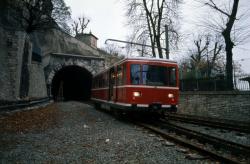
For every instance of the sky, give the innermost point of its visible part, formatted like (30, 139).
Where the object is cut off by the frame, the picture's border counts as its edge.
(107, 18)
(108, 21)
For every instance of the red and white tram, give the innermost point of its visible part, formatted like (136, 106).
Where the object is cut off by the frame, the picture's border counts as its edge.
(138, 84)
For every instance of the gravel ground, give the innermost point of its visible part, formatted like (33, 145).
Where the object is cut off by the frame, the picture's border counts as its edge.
(234, 136)
(73, 132)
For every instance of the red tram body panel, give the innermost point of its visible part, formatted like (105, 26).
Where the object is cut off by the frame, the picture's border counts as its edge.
(138, 84)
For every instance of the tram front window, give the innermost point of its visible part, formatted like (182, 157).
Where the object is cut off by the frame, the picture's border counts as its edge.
(135, 74)
(158, 75)
(153, 75)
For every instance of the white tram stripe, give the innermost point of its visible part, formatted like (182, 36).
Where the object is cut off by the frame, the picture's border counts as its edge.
(97, 89)
(118, 103)
(137, 86)
(146, 86)
(126, 104)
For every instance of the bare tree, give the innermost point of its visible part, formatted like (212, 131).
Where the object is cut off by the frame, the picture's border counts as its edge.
(61, 13)
(226, 27)
(197, 54)
(213, 62)
(148, 18)
(38, 14)
(112, 49)
(80, 25)
(206, 56)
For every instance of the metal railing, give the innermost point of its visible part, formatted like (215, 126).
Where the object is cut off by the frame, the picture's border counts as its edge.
(241, 82)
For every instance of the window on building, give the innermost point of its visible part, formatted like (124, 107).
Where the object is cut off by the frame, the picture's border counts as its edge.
(36, 54)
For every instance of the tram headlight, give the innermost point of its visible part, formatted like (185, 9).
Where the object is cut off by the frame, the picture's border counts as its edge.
(170, 95)
(136, 94)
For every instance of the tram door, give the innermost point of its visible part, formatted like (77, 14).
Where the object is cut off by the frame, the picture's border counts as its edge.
(111, 83)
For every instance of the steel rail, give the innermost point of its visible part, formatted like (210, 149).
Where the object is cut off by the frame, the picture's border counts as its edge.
(212, 122)
(187, 143)
(219, 142)
(23, 104)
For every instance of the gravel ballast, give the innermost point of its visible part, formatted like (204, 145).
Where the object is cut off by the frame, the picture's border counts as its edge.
(74, 132)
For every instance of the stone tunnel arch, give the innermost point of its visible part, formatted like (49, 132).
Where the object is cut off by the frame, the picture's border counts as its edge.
(71, 83)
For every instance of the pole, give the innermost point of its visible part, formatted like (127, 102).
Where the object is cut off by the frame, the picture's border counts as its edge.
(167, 43)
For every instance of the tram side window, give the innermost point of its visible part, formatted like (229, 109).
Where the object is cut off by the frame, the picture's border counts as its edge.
(99, 82)
(102, 80)
(172, 76)
(112, 73)
(135, 74)
(119, 75)
(96, 83)
(93, 83)
(105, 79)
(124, 79)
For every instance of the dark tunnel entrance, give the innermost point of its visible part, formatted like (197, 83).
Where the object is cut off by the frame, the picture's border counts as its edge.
(72, 83)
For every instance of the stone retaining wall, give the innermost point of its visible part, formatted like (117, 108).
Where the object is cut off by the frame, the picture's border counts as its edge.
(20, 78)
(11, 56)
(227, 105)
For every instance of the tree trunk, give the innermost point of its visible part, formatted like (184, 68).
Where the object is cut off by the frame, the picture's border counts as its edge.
(149, 19)
(229, 61)
(229, 45)
(227, 37)
(158, 43)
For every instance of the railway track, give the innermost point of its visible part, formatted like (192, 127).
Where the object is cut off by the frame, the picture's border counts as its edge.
(239, 126)
(216, 148)
(23, 104)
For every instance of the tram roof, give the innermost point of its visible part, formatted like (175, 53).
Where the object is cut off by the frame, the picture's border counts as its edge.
(147, 59)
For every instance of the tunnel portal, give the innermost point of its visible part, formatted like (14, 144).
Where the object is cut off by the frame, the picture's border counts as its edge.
(72, 83)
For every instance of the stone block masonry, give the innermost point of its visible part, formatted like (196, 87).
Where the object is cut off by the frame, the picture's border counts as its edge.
(20, 78)
(11, 51)
(233, 105)
(37, 87)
